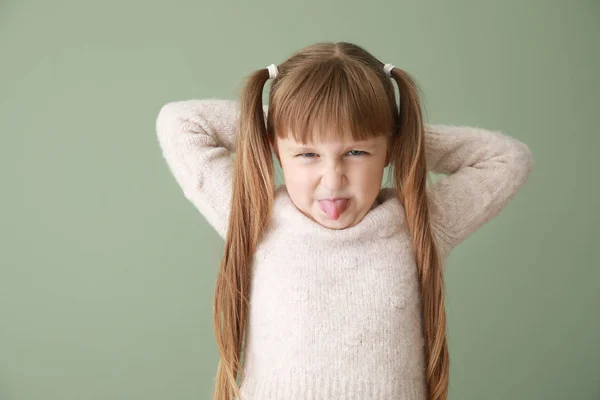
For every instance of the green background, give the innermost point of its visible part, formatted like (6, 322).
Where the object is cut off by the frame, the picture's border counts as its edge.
(107, 271)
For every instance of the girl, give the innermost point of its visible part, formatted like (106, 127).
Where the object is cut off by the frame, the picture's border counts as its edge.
(331, 286)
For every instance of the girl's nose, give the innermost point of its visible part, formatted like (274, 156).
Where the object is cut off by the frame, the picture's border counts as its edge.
(333, 178)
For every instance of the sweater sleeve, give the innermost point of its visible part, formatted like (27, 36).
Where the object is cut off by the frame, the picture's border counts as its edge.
(197, 138)
(484, 170)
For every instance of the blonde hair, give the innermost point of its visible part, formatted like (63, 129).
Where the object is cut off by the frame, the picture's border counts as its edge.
(326, 91)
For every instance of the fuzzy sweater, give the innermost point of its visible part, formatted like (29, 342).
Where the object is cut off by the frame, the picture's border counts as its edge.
(336, 314)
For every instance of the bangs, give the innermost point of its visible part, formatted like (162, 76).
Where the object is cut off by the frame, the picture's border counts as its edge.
(333, 102)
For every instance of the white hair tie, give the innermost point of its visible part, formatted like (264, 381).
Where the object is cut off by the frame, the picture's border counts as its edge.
(272, 71)
(388, 69)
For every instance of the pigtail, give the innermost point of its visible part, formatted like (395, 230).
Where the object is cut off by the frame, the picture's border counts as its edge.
(410, 178)
(251, 204)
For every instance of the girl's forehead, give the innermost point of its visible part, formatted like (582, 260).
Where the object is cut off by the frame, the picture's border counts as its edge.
(289, 142)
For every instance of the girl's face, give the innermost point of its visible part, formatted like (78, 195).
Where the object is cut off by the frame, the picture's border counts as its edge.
(344, 170)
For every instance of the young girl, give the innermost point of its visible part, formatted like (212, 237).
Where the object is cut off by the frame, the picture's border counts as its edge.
(331, 286)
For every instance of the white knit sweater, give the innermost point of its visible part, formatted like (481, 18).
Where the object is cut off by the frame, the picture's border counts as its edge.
(336, 314)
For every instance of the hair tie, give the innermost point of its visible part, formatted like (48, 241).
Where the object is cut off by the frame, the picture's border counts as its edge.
(272, 71)
(388, 69)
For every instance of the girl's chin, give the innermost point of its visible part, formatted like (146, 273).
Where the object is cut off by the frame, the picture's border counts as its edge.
(340, 223)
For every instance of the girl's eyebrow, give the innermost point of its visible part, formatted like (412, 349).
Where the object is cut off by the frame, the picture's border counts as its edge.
(303, 148)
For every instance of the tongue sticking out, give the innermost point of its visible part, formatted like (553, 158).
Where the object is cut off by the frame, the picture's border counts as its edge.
(333, 208)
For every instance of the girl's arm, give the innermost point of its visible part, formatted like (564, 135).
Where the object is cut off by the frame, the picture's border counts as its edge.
(485, 169)
(198, 138)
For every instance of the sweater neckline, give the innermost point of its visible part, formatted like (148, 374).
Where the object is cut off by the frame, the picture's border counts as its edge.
(382, 220)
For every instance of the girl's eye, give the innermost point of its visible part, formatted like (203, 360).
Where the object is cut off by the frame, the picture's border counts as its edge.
(358, 151)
